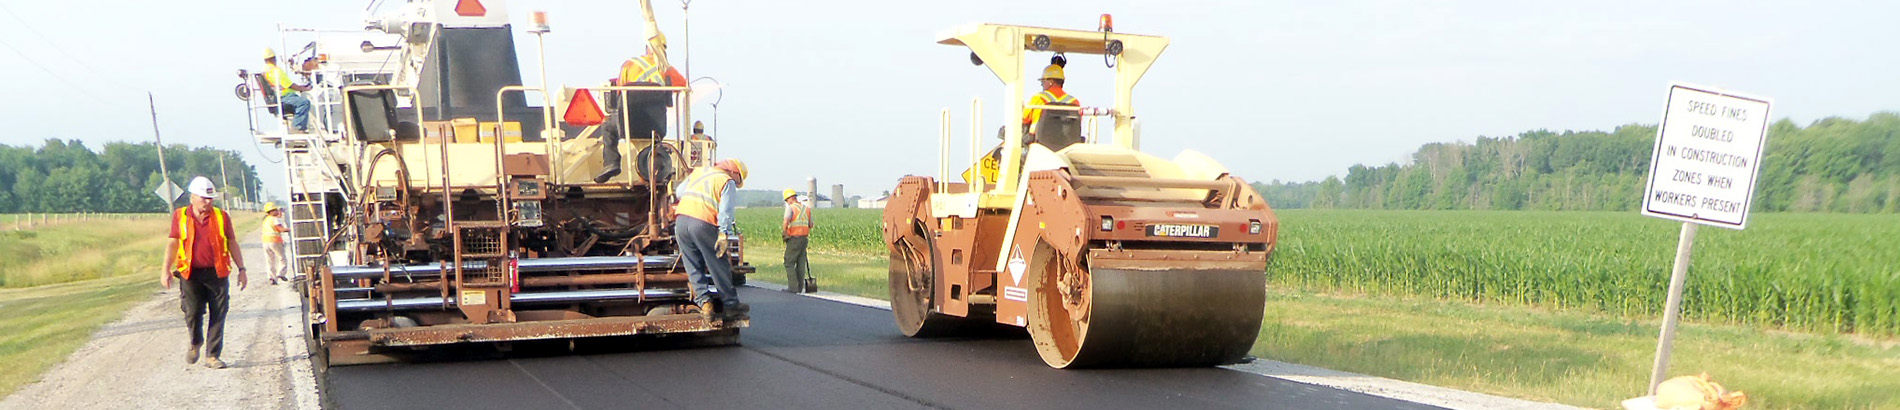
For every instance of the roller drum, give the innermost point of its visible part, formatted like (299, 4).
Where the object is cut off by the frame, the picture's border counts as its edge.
(1128, 317)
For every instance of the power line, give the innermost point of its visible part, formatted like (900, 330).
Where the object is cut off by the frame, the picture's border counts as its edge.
(49, 71)
(55, 45)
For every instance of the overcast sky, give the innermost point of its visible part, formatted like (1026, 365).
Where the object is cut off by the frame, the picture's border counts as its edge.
(849, 91)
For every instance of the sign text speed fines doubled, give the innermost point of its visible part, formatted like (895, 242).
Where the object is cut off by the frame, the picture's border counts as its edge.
(1707, 153)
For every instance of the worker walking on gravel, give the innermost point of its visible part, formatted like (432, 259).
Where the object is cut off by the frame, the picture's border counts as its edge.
(797, 231)
(202, 251)
(706, 199)
(272, 234)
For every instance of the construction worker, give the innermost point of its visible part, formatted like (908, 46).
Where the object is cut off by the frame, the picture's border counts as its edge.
(202, 252)
(797, 232)
(642, 112)
(699, 144)
(289, 95)
(704, 209)
(1052, 94)
(271, 232)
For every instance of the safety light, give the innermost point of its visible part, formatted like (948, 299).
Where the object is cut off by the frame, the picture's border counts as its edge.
(540, 21)
(1253, 227)
(1108, 223)
(470, 8)
(1108, 23)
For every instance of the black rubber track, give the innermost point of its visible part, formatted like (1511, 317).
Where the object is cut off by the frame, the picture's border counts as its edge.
(804, 353)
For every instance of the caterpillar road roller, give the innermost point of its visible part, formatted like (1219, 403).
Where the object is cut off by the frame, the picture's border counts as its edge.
(1108, 256)
(431, 205)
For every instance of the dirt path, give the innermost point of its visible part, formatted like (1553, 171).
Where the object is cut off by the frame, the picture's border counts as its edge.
(138, 362)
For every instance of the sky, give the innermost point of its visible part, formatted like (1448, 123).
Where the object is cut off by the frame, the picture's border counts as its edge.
(849, 92)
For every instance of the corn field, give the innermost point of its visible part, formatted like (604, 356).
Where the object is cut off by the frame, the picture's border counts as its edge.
(1815, 272)
(1812, 272)
(840, 231)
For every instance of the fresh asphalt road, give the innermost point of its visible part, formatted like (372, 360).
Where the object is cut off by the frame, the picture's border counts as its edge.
(806, 353)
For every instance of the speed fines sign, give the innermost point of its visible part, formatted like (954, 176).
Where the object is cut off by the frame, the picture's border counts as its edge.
(1708, 153)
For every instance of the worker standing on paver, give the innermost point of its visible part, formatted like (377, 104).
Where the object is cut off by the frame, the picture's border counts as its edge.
(272, 234)
(705, 220)
(202, 253)
(797, 231)
(699, 146)
(643, 112)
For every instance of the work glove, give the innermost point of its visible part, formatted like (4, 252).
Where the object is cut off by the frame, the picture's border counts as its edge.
(723, 246)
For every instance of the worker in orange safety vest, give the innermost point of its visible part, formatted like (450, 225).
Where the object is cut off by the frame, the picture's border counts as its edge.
(1052, 94)
(202, 253)
(704, 209)
(637, 114)
(797, 235)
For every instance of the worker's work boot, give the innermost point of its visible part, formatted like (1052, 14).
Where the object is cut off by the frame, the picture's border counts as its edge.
(706, 309)
(191, 356)
(736, 310)
(213, 362)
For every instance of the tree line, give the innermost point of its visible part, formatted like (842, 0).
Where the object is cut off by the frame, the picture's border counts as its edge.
(67, 176)
(1831, 165)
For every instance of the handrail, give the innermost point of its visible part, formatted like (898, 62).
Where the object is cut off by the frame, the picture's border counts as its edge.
(943, 151)
(502, 196)
(976, 136)
(1150, 182)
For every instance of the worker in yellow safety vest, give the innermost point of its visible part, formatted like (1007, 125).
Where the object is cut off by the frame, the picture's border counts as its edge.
(289, 94)
(705, 221)
(271, 232)
(1052, 94)
(201, 253)
(797, 232)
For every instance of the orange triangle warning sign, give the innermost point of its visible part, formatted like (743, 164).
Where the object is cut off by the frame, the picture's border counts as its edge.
(582, 111)
(470, 8)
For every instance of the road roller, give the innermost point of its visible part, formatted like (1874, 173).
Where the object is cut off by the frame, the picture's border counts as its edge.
(1106, 255)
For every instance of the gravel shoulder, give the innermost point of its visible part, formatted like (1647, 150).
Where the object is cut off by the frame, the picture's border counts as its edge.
(138, 361)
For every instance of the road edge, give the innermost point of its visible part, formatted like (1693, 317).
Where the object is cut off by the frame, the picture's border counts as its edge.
(1372, 385)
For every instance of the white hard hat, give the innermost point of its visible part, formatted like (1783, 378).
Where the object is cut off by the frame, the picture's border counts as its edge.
(202, 187)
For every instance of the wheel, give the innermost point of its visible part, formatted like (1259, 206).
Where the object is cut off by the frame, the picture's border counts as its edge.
(913, 277)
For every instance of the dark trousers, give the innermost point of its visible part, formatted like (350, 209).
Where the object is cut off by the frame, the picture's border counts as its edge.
(206, 295)
(711, 275)
(797, 266)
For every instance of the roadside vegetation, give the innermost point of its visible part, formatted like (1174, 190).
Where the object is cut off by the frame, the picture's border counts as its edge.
(1554, 306)
(64, 281)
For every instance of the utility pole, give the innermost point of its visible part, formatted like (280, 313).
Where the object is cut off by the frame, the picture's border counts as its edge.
(162, 172)
(224, 181)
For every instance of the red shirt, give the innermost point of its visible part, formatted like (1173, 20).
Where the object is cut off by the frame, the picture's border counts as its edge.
(204, 254)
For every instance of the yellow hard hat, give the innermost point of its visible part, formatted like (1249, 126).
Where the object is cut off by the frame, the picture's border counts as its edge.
(270, 206)
(658, 39)
(735, 166)
(699, 126)
(1052, 72)
(269, 53)
(789, 193)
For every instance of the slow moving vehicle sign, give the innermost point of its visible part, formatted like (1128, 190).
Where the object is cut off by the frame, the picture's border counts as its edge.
(1708, 152)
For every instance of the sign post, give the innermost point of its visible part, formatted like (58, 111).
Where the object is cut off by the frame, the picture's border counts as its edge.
(1708, 153)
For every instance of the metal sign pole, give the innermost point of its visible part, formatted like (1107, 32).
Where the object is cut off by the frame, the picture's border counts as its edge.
(1672, 312)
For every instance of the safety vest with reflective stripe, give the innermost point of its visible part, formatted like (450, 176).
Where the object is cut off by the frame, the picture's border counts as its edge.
(1047, 97)
(699, 194)
(187, 235)
(800, 225)
(641, 69)
(269, 230)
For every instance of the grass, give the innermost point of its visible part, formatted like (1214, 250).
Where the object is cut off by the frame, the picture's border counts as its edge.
(63, 281)
(1506, 340)
(44, 324)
